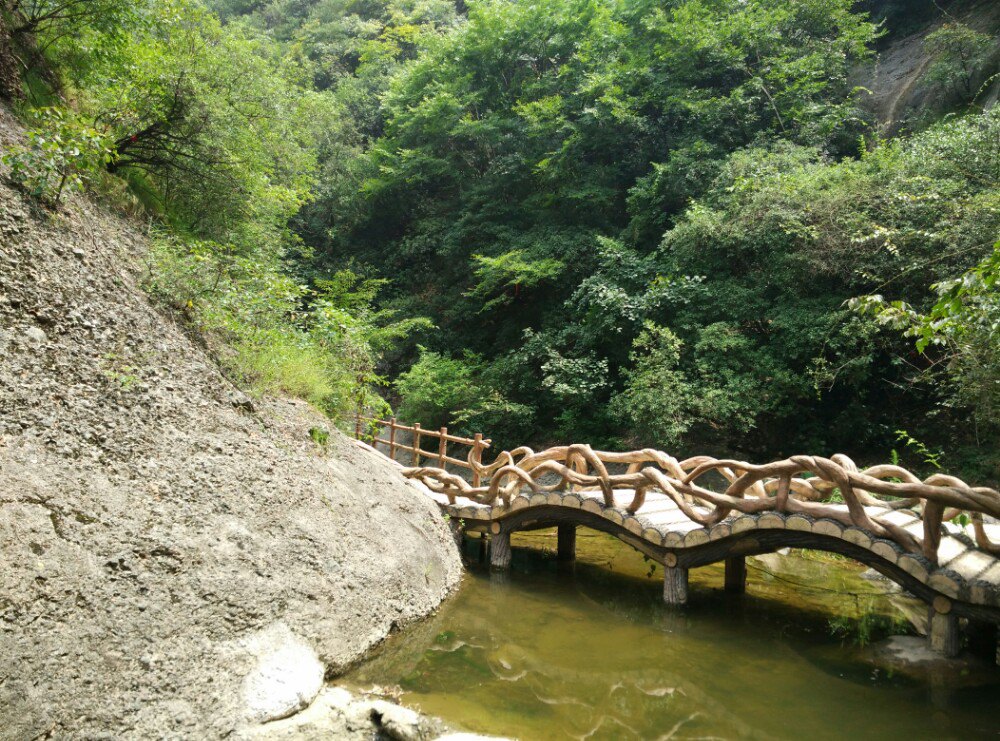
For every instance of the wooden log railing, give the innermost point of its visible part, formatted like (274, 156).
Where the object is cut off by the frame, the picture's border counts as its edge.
(472, 462)
(797, 485)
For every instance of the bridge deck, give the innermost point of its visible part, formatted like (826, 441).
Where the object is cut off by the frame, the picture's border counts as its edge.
(964, 573)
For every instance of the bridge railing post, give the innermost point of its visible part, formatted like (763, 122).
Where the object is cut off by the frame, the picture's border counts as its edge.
(580, 466)
(416, 444)
(392, 439)
(443, 449)
(477, 457)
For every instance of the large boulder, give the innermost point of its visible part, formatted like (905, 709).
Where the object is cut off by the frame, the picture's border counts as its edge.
(177, 559)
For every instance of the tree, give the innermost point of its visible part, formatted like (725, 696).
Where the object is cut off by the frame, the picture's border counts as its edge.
(436, 388)
(55, 19)
(215, 119)
(781, 243)
(517, 144)
(657, 401)
(958, 54)
(963, 326)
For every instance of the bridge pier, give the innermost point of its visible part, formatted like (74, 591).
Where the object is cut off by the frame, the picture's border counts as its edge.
(675, 581)
(499, 547)
(942, 628)
(982, 640)
(736, 574)
(566, 542)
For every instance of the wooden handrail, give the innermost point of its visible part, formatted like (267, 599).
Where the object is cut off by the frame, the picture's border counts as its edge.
(752, 489)
(476, 444)
(424, 432)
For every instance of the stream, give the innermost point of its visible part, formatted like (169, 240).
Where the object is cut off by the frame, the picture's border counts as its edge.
(588, 651)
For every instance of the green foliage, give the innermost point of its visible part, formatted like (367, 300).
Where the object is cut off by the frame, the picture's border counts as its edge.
(56, 17)
(276, 335)
(959, 55)
(657, 400)
(640, 222)
(440, 391)
(550, 114)
(55, 43)
(219, 130)
(215, 118)
(531, 159)
(508, 275)
(963, 326)
(59, 156)
(436, 388)
(319, 436)
(928, 457)
(783, 240)
(121, 375)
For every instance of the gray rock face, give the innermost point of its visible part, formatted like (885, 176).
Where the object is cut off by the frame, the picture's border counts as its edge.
(176, 561)
(35, 336)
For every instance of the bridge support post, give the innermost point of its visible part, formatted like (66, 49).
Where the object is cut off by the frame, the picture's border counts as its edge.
(675, 581)
(736, 574)
(567, 542)
(982, 639)
(499, 548)
(482, 548)
(942, 628)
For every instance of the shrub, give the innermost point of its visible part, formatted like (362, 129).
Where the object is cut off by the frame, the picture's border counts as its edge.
(959, 54)
(279, 336)
(436, 388)
(60, 156)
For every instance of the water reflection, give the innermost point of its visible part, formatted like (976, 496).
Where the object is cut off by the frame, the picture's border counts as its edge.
(589, 651)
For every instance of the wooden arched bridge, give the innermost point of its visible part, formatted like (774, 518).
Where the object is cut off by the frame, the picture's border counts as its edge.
(939, 538)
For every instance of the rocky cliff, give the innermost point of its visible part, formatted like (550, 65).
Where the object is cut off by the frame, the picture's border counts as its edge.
(896, 86)
(175, 557)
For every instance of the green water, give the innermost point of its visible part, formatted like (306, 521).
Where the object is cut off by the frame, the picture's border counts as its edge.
(590, 651)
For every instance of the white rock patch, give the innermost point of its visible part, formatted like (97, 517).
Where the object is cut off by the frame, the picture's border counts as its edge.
(287, 677)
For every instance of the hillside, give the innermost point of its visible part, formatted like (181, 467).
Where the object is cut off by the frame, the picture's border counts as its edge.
(163, 536)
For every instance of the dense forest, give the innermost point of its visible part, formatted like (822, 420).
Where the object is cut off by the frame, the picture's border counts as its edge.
(670, 223)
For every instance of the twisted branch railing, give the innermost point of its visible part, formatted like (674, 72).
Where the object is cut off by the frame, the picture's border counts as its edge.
(796, 485)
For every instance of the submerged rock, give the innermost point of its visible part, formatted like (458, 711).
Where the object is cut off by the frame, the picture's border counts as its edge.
(912, 656)
(337, 713)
